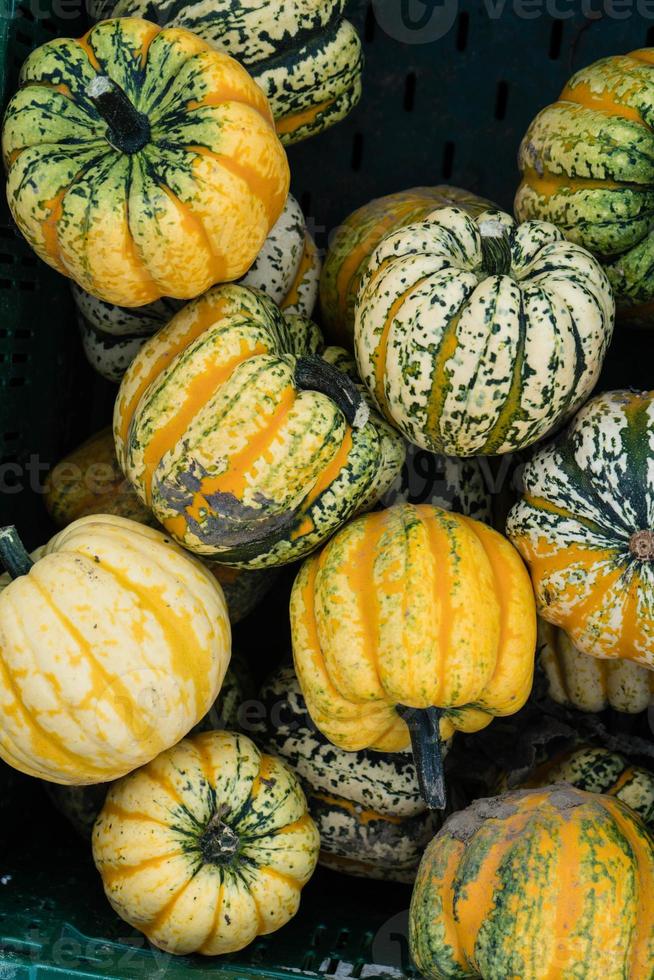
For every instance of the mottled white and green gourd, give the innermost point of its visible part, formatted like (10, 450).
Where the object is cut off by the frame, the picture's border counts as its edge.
(303, 54)
(367, 805)
(287, 269)
(478, 336)
(585, 527)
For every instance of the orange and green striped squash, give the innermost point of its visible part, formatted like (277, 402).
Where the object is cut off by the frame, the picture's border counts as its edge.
(536, 885)
(115, 643)
(89, 481)
(412, 623)
(587, 165)
(355, 239)
(250, 442)
(207, 847)
(142, 162)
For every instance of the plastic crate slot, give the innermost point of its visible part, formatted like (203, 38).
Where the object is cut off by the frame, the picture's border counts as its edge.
(6, 257)
(649, 37)
(19, 357)
(369, 25)
(409, 91)
(501, 99)
(462, 29)
(305, 203)
(556, 39)
(27, 285)
(448, 159)
(23, 38)
(17, 382)
(342, 939)
(357, 152)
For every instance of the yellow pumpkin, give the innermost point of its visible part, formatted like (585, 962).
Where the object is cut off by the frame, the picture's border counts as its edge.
(412, 623)
(207, 847)
(113, 644)
(554, 884)
(142, 162)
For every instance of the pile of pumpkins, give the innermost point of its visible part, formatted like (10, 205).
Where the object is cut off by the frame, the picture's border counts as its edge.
(146, 162)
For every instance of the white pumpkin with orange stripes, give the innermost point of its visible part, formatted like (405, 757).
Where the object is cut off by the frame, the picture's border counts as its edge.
(207, 847)
(249, 440)
(585, 527)
(114, 643)
(477, 336)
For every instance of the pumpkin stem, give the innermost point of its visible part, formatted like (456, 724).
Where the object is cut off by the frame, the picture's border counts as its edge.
(495, 248)
(129, 129)
(424, 728)
(641, 545)
(218, 843)
(12, 552)
(314, 374)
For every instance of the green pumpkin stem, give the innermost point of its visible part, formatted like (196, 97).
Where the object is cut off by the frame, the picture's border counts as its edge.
(13, 553)
(219, 843)
(314, 374)
(495, 248)
(129, 129)
(424, 728)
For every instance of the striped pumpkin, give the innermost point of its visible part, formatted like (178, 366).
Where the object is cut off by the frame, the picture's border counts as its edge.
(142, 162)
(584, 527)
(114, 644)
(358, 235)
(303, 54)
(477, 336)
(536, 885)
(598, 770)
(367, 805)
(207, 847)
(411, 623)
(287, 269)
(587, 684)
(248, 445)
(89, 481)
(82, 804)
(587, 165)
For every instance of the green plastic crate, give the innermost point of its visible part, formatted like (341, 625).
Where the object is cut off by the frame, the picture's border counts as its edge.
(450, 110)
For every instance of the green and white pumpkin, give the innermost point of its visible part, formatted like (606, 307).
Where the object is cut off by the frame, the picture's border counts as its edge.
(585, 527)
(287, 269)
(367, 805)
(478, 336)
(303, 54)
(588, 684)
(82, 804)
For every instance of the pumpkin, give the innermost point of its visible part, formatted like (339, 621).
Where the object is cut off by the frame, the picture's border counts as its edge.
(305, 56)
(583, 526)
(82, 804)
(598, 770)
(549, 883)
(477, 336)
(410, 624)
(287, 268)
(142, 162)
(587, 684)
(367, 805)
(358, 235)
(207, 847)
(114, 644)
(89, 481)
(247, 444)
(587, 166)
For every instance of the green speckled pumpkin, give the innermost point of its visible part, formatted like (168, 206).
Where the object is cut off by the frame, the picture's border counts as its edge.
(585, 527)
(142, 162)
(286, 269)
(597, 770)
(587, 164)
(367, 805)
(206, 847)
(356, 238)
(303, 54)
(243, 434)
(89, 481)
(588, 684)
(536, 885)
(82, 804)
(478, 336)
